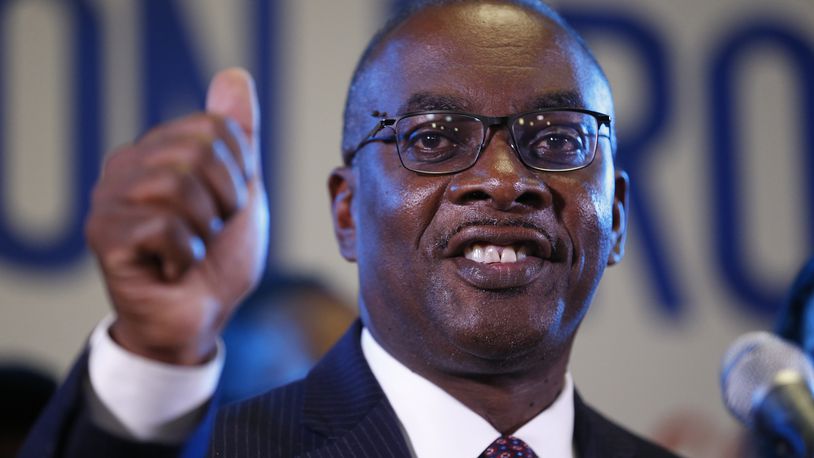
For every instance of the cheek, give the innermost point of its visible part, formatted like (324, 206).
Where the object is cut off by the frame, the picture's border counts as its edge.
(595, 210)
(392, 211)
(589, 224)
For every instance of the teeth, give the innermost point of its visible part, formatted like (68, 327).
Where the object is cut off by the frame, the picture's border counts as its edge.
(477, 254)
(508, 255)
(489, 254)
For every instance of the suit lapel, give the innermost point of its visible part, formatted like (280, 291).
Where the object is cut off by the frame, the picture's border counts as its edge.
(596, 437)
(344, 402)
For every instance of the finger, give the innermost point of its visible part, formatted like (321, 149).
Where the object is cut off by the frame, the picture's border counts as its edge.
(183, 193)
(168, 241)
(138, 236)
(118, 162)
(203, 124)
(208, 159)
(232, 93)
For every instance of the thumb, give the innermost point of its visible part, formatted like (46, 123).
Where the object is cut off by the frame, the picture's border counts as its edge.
(232, 94)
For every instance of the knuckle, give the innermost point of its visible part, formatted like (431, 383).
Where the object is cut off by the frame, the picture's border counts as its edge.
(147, 188)
(187, 153)
(117, 158)
(91, 231)
(97, 195)
(167, 224)
(97, 229)
(189, 191)
(202, 151)
(213, 125)
(175, 230)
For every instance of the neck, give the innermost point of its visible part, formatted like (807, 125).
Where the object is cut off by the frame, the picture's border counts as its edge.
(505, 393)
(506, 401)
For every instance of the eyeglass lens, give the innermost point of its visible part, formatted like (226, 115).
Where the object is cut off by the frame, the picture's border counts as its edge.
(450, 142)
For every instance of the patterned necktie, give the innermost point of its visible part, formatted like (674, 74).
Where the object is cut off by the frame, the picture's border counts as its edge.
(508, 447)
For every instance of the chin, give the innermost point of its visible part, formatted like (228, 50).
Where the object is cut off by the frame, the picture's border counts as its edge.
(499, 348)
(512, 334)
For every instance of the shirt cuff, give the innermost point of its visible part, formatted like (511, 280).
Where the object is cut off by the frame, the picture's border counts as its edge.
(147, 400)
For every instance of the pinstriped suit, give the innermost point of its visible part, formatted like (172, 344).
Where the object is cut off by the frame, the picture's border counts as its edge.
(338, 410)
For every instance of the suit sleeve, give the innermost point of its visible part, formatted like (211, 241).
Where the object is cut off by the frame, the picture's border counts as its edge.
(68, 427)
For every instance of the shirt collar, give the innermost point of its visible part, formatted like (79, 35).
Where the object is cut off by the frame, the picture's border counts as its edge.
(438, 425)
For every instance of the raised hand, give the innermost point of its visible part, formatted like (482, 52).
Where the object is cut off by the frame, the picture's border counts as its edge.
(179, 225)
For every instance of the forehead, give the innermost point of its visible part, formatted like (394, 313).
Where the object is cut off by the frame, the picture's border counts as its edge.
(487, 58)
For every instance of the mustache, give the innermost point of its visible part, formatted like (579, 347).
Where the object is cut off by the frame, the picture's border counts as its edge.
(443, 242)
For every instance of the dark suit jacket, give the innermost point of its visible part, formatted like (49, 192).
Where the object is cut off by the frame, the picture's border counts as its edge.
(338, 410)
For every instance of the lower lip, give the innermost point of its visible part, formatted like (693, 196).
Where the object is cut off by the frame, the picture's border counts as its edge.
(496, 276)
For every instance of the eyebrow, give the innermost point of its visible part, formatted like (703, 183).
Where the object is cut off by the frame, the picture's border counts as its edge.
(557, 99)
(429, 101)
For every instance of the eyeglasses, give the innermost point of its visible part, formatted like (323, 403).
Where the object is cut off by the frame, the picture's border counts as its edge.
(441, 142)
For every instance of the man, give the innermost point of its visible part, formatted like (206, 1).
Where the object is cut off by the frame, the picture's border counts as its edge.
(481, 203)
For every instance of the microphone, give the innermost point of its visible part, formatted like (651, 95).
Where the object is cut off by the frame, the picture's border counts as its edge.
(766, 384)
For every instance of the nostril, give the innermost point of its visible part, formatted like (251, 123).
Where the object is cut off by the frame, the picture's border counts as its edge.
(531, 199)
(474, 196)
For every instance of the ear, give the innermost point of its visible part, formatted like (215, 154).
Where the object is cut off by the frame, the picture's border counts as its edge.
(620, 208)
(341, 185)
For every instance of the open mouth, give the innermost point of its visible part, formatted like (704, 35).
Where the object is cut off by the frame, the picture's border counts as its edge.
(499, 257)
(498, 244)
(486, 253)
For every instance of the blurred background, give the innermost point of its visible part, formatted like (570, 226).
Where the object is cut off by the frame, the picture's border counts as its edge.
(715, 108)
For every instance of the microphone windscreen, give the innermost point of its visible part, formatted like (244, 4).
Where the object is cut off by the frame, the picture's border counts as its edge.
(750, 367)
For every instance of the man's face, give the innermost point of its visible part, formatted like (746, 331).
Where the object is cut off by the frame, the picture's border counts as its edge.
(421, 297)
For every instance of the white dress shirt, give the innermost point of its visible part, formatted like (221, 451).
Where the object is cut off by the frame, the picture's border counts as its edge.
(147, 398)
(439, 425)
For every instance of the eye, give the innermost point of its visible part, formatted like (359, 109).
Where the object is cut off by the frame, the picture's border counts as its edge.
(432, 136)
(559, 144)
(556, 140)
(431, 142)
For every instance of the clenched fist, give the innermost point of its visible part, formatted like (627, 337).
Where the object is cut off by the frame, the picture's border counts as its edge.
(179, 224)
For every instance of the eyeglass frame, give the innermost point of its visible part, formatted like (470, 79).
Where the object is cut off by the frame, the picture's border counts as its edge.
(488, 122)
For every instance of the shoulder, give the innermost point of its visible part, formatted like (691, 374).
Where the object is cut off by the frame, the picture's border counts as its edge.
(597, 436)
(335, 399)
(270, 424)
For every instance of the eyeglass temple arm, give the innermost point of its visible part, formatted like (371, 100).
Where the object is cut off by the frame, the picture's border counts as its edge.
(371, 136)
(381, 124)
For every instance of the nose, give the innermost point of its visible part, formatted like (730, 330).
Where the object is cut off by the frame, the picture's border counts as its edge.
(501, 180)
